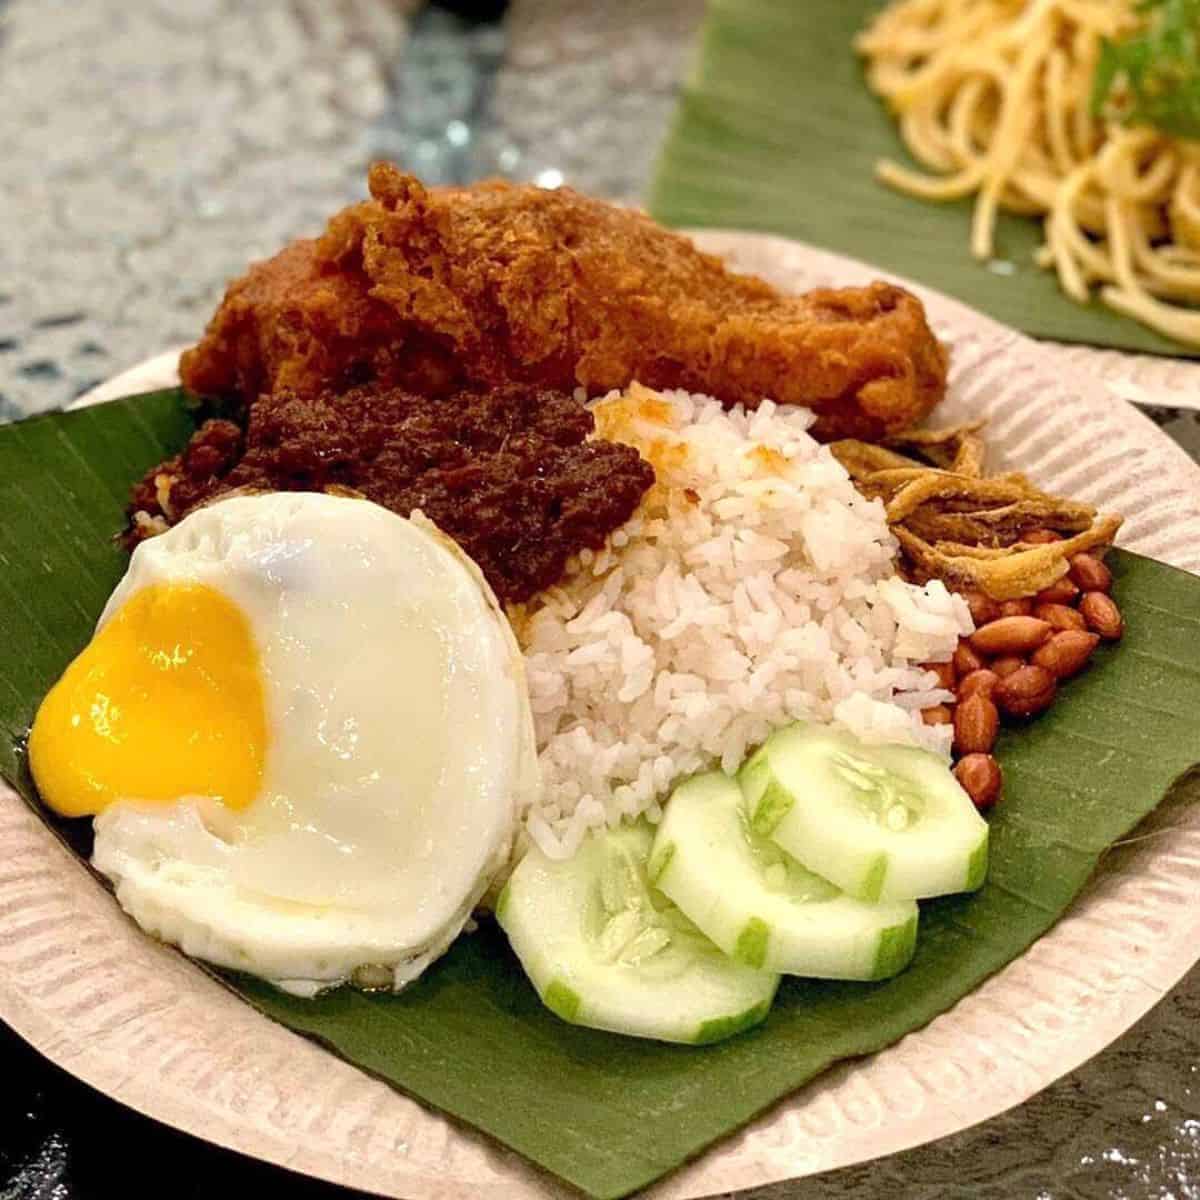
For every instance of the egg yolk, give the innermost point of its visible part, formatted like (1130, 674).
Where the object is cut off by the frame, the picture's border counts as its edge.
(166, 701)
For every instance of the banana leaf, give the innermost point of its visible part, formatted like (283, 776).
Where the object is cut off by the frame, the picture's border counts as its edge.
(610, 1114)
(776, 130)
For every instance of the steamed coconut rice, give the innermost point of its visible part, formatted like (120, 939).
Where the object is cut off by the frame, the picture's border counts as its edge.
(753, 587)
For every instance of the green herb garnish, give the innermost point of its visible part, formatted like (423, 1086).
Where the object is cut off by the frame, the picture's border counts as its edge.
(1153, 77)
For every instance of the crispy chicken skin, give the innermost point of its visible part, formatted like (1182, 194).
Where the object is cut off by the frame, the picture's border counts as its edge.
(431, 289)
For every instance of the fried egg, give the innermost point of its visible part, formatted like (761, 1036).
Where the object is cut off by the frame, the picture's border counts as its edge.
(303, 731)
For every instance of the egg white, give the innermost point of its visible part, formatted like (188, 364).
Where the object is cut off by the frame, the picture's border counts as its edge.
(400, 748)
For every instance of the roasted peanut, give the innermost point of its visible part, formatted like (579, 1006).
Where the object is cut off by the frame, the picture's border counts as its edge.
(976, 722)
(1061, 616)
(983, 607)
(982, 682)
(966, 660)
(1026, 692)
(1010, 635)
(1102, 615)
(1003, 667)
(1090, 573)
(979, 776)
(1066, 653)
(937, 714)
(1036, 537)
(945, 673)
(1062, 591)
(1016, 608)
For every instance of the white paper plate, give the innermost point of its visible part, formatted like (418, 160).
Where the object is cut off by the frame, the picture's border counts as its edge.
(140, 1023)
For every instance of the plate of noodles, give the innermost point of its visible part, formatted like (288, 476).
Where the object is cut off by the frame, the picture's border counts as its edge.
(1083, 116)
(1037, 159)
(531, 702)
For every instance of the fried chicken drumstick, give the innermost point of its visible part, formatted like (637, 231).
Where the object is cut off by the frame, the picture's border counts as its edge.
(433, 289)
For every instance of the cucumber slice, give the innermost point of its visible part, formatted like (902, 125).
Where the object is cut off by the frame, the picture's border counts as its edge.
(881, 822)
(759, 904)
(605, 949)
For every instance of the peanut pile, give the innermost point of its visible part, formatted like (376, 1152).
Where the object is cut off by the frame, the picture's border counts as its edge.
(1027, 563)
(1013, 663)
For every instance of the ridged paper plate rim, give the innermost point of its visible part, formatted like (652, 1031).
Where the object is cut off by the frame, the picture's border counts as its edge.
(140, 1023)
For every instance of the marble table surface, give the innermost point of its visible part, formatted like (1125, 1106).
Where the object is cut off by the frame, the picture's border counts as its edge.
(149, 149)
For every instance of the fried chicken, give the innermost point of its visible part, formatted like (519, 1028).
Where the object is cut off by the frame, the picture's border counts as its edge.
(431, 289)
(509, 473)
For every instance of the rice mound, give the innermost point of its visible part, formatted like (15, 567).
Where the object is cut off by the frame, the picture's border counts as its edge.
(754, 586)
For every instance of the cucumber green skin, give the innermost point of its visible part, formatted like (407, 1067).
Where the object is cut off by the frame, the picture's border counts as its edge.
(725, 1027)
(545, 909)
(711, 874)
(788, 794)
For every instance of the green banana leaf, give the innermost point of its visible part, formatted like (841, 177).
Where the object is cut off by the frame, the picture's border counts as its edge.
(608, 1113)
(777, 131)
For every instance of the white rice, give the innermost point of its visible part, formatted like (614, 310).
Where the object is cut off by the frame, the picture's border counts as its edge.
(754, 586)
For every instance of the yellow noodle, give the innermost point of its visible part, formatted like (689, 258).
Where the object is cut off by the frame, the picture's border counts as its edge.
(1163, 276)
(1085, 49)
(1185, 207)
(1015, 125)
(969, 130)
(994, 100)
(1057, 110)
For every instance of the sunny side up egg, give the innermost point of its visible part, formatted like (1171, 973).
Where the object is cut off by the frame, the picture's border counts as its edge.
(302, 726)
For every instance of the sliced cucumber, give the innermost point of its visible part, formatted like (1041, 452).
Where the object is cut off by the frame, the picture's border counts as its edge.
(605, 949)
(881, 822)
(758, 904)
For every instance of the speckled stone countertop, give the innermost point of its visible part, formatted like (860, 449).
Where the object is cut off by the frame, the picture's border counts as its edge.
(149, 149)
